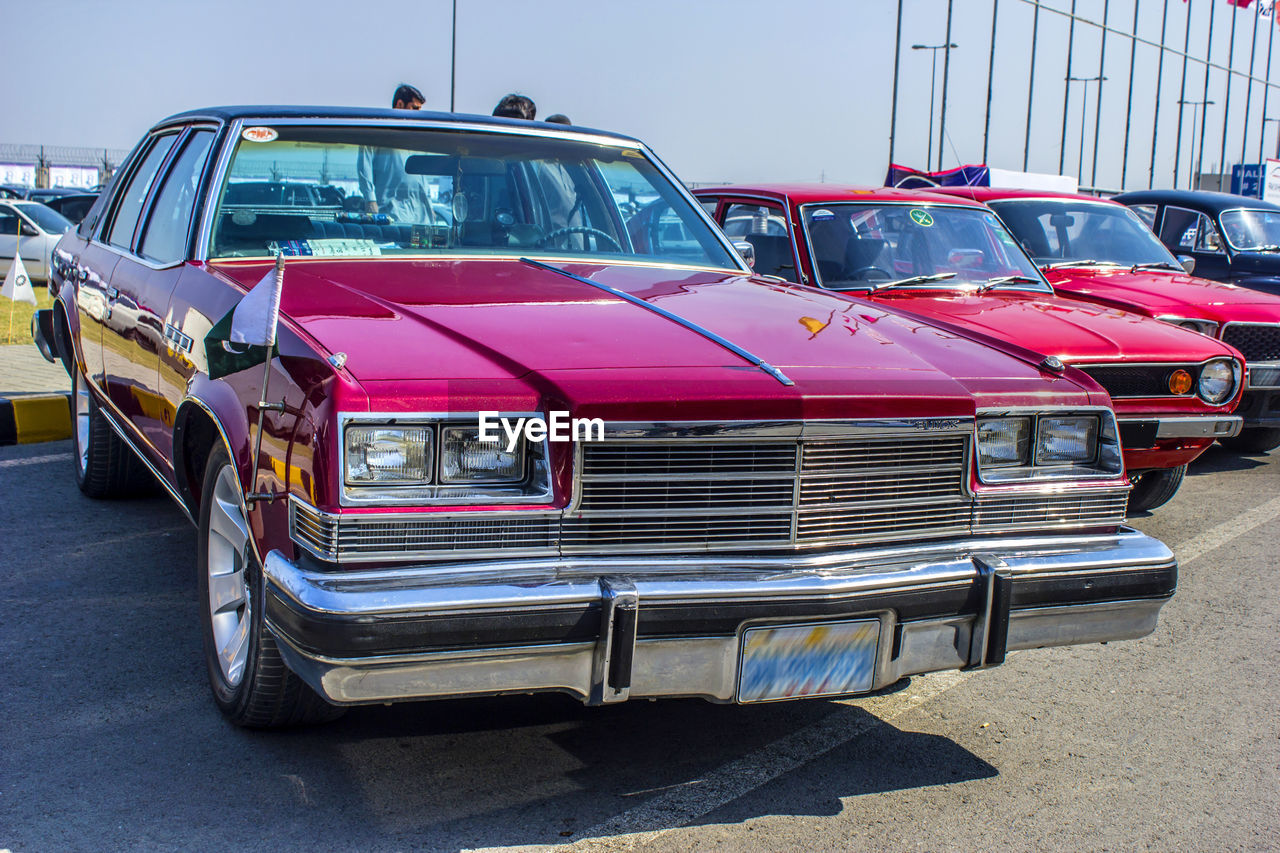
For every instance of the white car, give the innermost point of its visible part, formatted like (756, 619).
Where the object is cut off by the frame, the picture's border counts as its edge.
(41, 227)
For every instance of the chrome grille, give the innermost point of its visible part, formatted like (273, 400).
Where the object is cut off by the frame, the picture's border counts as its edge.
(350, 537)
(1067, 509)
(688, 493)
(1257, 342)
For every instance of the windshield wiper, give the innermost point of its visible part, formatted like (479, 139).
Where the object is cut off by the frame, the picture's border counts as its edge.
(1081, 263)
(1157, 265)
(1262, 249)
(1006, 279)
(915, 279)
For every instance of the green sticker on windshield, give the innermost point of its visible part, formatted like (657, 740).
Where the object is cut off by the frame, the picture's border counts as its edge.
(922, 217)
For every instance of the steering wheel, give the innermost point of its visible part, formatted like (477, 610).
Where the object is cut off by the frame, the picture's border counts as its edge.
(865, 274)
(579, 229)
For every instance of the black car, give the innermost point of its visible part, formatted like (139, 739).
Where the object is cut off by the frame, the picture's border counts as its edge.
(1232, 238)
(74, 207)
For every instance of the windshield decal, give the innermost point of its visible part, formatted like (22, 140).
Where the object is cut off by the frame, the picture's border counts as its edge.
(921, 217)
(821, 215)
(259, 134)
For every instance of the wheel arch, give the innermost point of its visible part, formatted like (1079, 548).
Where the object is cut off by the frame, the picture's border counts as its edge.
(198, 427)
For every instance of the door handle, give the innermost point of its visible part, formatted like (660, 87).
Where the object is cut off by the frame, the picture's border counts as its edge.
(112, 293)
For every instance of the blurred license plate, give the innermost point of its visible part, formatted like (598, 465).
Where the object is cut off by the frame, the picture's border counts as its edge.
(789, 661)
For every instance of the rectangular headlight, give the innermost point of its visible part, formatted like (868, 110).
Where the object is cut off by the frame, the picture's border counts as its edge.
(465, 458)
(1003, 441)
(388, 455)
(1066, 440)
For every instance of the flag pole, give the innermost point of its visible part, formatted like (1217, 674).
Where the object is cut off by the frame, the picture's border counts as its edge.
(13, 303)
(264, 406)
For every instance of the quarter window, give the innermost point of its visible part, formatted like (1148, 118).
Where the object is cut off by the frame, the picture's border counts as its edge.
(135, 192)
(1189, 231)
(8, 222)
(166, 234)
(1147, 213)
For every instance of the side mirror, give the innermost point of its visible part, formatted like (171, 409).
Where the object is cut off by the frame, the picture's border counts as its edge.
(1188, 263)
(747, 251)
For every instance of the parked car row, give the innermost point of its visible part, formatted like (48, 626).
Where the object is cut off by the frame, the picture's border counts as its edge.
(32, 229)
(891, 448)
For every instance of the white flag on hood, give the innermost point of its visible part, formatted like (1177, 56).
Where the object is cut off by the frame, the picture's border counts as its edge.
(17, 285)
(254, 320)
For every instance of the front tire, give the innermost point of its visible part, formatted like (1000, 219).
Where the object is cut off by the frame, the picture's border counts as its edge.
(1155, 488)
(251, 684)
(105, 466)
(1258, 440)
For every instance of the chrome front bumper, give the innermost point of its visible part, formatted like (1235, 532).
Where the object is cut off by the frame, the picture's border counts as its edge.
(609, 629)
(1193, 426)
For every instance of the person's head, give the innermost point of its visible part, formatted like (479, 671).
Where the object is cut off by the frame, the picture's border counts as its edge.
(559, 118)
(515, 106)
(407, 98)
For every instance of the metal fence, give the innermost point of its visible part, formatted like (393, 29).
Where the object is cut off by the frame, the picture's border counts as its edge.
(1207, 54)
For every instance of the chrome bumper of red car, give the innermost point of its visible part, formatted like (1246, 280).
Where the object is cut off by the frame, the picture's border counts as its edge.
(615, 628)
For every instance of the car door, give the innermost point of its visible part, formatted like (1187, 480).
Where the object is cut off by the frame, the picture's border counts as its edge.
(1190, 232)
(132, 332)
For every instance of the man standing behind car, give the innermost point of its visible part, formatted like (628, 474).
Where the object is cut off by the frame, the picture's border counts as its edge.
(384, 183)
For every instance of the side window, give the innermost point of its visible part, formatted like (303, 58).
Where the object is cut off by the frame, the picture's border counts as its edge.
(1178, 230)
(1147, 213)
(709, 205)
(135, 192)
(165, 238)
(764, 226)
(8, 222)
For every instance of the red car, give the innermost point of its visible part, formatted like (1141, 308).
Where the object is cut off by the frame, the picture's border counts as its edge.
(949, 260)
(1100, 251)
(534, 426)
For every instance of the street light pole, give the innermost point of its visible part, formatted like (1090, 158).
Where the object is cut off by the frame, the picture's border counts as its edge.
(933, 84)
(1195, 108)
(1084, 110)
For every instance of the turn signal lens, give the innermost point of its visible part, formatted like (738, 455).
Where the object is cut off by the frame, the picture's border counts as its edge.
(1180, 382)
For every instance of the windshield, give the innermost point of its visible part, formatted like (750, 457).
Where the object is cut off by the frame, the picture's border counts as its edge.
(1058, 230)
(49, 220)
(1251, 229)
(360, 191)
(871, 245)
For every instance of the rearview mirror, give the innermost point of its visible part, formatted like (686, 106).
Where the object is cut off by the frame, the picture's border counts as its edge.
(1188, 263)
(747, 251)
(1062, 220)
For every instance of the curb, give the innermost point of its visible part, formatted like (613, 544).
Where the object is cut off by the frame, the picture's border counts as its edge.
(33, 419)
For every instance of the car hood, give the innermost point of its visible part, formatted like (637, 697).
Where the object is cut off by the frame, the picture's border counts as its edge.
(476, 319)
(1169, 293)
(1075, 331)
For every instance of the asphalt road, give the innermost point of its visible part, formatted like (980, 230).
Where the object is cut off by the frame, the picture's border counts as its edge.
(109, 739)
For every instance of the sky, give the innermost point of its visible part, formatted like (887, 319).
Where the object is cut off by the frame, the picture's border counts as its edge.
(722, 90)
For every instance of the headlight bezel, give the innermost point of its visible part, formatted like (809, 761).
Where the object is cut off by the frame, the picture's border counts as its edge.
(1105, 460)
(1234, 371)
(533, 486)
(1208, 328)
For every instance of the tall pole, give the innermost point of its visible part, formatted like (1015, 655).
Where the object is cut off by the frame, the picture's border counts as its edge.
(897, 63)
(933, 80)
(1128, 107)
(1031, 86)
(946, 77)
(1266, 88)
(1066, 89)
(453, 59)
(1084, 117)
(1155, 120)
(1097, 110)
(1248, 92)
(1195, 110)
(1226, 100)
(1182, 96)
(991, 67)
(1208, 57)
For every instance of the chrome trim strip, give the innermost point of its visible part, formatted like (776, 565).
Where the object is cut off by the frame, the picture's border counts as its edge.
(673, 317)
(110, 412)
(1193, 426)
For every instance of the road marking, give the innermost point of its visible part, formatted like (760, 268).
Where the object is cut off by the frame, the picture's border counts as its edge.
(32, 460)
(682, 804)
(1217, 536)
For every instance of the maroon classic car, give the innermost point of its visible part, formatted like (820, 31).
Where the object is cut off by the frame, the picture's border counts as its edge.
(520, 432)
(1100, 251)
(950, 261)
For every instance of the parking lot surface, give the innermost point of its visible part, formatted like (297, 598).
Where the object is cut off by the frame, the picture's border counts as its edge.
(108, 736)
